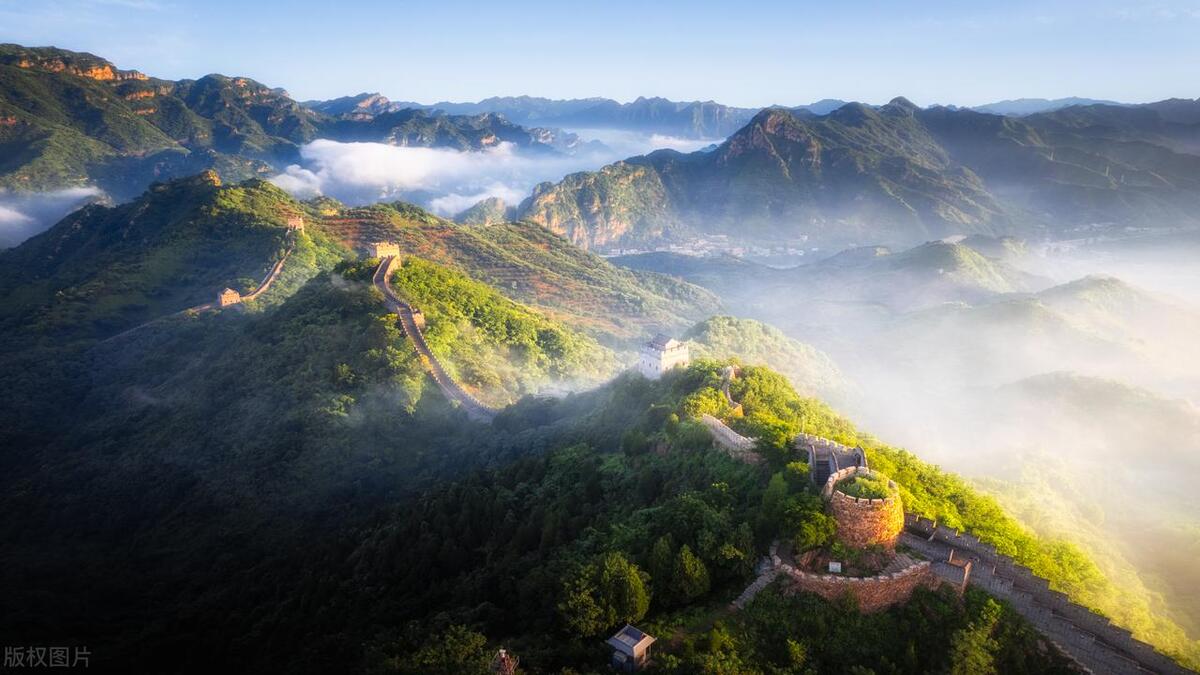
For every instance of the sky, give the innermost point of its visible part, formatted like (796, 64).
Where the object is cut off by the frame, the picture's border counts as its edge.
(744, 53)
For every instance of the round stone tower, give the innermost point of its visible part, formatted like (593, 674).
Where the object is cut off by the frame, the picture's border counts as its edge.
(865, 522)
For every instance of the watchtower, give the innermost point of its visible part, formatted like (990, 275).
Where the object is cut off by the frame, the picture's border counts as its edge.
(661, 354)
(861, 521)
(228, 297)
(383, 249)
(295, 224)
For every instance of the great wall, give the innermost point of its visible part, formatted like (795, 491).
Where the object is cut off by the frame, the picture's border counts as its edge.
(451, 389)
(294, 225)
(1089, 639)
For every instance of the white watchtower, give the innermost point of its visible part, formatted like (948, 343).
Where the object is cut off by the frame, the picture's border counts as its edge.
(660, 355)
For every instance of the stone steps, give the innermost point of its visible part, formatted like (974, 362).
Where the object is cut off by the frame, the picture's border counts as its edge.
(753, 589)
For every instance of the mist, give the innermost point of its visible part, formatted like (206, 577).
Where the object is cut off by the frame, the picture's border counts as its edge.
(23, 215)
(447, 181)
(1065, 381)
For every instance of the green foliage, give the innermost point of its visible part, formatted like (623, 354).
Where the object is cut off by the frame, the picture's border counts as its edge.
(689, 576)
(457, 651)
(491, 342)
(723, 338)
(865, 487)
(972, 648)
(604, 594)
(805, 634)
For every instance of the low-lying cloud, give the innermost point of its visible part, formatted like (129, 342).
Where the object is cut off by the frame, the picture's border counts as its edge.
(624, 143)
(445, 180)
(23, 215)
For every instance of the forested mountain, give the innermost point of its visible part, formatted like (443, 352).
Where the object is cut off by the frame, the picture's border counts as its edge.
(242, 431)
(895, 175)
(70, 118)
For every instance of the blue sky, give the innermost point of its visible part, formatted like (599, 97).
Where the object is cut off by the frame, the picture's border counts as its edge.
(743, 53)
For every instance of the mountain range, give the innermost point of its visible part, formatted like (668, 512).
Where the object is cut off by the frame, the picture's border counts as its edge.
(688, 119)
(71, 118)
(896, 174)
(832, 173)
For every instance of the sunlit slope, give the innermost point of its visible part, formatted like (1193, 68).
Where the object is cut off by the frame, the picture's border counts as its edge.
(810, 370)
(536, 267)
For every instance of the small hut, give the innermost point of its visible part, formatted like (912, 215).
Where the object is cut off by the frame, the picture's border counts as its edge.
(631, 649)
(228, 297)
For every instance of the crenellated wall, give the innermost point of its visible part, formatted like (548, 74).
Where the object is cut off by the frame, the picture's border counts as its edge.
(871, 593)
(1088, 637)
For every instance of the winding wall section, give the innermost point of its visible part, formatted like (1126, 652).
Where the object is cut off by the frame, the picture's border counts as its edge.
(269, 279)
(451, 389)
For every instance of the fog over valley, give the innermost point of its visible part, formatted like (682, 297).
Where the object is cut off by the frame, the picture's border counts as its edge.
(449, 181)
(998, 362)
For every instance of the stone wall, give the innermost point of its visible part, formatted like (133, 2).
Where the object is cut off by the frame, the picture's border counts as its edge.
(1088, 637)
(871, 593)
(864, 522)
(735, 445)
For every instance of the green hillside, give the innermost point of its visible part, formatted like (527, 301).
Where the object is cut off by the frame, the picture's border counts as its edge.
(810, 371)
(104, 269)
(617, 306)
(267, 484)
(492, 344)
(490, 211)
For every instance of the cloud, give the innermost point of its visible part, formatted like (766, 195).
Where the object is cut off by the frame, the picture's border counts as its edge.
(630, 143)
(445, 180)
(23, 215)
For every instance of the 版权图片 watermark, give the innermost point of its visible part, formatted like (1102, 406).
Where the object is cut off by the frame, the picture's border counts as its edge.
(46, 657)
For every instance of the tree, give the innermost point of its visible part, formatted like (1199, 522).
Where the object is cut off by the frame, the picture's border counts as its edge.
(662, 560)
(579, 608)
(973, 649)
(604, 594)
(458, 650)
(623, 593)
(690, 576)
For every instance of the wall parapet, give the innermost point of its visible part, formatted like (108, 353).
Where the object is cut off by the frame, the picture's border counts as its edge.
(871, 593)
(1086, 635)
(842, 474)
(736, 445)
